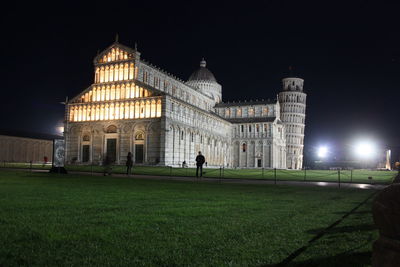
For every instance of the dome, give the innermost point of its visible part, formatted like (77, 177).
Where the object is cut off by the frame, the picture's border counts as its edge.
(202, 73)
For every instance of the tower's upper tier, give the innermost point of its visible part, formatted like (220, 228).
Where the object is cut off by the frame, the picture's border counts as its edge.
(202, 73)
(292, 84)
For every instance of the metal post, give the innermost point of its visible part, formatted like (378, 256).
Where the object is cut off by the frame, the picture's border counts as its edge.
(220, 174)
(275, 174)
(30, 165)
(305, 173)
(263, 173)
(351, 175)
(339, 177)
(170, 171)
(91, 168)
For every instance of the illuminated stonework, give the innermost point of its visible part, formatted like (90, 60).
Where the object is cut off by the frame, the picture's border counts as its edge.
(116, 110)
(135, 107)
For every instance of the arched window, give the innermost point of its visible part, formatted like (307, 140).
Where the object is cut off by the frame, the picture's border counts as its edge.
(106, 78)
(153, 108)
(111, 73)
(244, 146)
(111, 129)
(121, 72)
(251, 111)
(131, 71)
(116, 73)
(126, 71)
(139, 136)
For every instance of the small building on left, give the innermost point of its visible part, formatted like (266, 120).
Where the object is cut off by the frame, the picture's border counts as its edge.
(17, 146)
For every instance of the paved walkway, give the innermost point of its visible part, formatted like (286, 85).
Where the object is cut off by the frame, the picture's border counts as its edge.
(227, 180)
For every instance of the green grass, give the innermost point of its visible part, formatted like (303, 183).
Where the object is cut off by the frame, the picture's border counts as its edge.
(25, 165)
(346, 176)
(50, 220)
(352, 240)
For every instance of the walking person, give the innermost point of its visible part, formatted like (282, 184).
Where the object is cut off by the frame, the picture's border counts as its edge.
(129, 163)
(200, 159)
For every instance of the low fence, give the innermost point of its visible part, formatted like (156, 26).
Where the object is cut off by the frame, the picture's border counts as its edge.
(339, 176)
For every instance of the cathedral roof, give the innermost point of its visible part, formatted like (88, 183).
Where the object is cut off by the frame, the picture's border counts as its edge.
(247, 103)
(251, 120)
(202, 73)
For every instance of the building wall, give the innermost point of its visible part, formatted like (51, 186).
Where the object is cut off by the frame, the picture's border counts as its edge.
(190, 129)
(95, 135)
(263, 148)
(22, 149)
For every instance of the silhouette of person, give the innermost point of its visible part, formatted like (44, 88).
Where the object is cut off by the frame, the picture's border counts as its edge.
(107, 165)
(129, 163)
(200, 159)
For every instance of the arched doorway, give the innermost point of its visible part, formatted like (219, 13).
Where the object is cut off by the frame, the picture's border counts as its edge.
(139, 147)
(111, 143)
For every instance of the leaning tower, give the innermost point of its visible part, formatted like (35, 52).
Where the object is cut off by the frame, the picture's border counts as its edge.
(293, 113)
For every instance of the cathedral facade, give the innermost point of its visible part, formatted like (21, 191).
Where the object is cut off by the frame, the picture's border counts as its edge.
(133, 106)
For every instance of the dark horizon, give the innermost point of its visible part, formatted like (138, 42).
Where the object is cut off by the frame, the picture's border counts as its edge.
(348, 55)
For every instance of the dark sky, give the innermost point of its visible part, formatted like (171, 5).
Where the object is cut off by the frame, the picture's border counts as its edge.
(348, 54)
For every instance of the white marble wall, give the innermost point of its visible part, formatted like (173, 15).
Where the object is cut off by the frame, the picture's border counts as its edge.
(22, 149)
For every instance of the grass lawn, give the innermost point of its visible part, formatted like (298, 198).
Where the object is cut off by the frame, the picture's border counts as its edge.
(357, 176)
(49, 219)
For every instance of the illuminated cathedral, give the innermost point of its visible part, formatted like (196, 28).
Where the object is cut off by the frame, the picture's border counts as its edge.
(133, 106)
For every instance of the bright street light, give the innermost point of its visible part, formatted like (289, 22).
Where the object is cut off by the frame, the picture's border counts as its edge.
(365, 149)
(60, 129)
(322, 151)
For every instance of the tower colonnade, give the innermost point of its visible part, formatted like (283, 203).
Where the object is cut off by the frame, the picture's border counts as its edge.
(292, 101)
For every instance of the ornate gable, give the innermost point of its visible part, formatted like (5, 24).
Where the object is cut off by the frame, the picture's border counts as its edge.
(115, 52)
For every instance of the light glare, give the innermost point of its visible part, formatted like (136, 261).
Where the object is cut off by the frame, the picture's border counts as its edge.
(365, 149)
(322, 151)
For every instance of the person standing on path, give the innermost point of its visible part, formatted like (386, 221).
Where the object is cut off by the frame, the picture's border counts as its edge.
(200, 159)
(107, 165)
(129, 163)
(45, 160)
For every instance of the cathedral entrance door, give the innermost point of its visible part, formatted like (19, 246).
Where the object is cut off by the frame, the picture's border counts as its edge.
(112, 149)
(259, 163)
(139, 153)
(85, 153)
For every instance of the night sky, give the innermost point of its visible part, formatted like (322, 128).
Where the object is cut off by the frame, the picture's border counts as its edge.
(348, 55)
